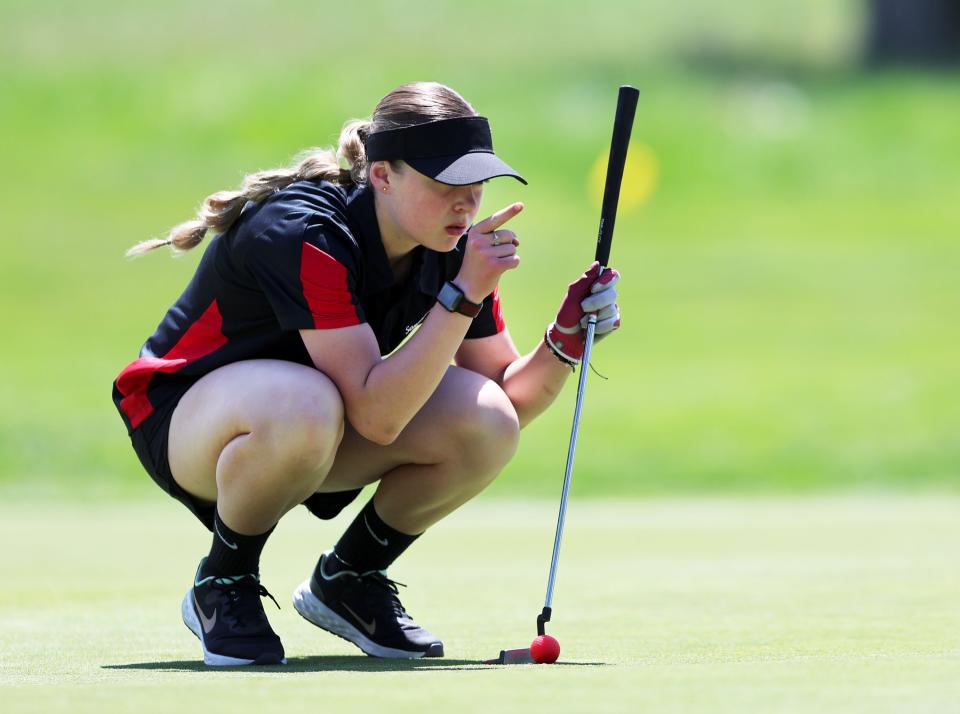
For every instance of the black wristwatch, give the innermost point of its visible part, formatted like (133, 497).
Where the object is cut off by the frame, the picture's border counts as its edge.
(452, 298)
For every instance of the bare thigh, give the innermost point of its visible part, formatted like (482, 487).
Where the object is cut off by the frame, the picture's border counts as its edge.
(294, 411)
(464, 405)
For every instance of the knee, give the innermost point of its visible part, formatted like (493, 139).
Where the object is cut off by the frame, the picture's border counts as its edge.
(488, 432)
(307, 425)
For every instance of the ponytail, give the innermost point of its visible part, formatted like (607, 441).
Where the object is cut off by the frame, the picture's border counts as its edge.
(351, 151)
(407, 105)
(221, 209)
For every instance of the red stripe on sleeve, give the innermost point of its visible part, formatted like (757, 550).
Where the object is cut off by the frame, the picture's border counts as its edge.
(202, 338)
(495, 309)
(325, 288)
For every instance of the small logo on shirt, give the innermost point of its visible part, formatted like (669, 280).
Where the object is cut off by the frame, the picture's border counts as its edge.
(410, 328)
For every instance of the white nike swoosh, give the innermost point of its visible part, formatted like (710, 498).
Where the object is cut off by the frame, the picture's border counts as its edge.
(381, 541)
(370, 628)
(341, 574)
(207, 622)
(231, 546)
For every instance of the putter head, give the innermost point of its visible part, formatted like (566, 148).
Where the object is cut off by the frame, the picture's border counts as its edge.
(520, 656)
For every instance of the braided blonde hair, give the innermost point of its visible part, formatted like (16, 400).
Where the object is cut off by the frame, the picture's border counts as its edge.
(407, 105)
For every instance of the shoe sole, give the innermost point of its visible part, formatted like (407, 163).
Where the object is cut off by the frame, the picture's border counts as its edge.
(213, 659)
(314, 611)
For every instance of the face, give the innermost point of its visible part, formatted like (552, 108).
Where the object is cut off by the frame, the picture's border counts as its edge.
(416, 210)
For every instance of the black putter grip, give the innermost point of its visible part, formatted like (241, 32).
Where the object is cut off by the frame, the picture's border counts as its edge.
(622, 126)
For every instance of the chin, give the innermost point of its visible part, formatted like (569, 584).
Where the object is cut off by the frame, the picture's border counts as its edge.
(446, 244)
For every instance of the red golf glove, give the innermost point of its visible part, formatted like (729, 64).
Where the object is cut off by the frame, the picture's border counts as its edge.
(565, 336)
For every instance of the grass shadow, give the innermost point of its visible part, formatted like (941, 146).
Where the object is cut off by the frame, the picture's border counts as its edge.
(331, 663)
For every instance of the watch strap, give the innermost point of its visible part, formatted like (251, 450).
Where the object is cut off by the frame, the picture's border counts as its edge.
(453, 300)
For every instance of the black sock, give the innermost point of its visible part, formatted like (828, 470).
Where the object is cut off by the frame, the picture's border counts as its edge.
(369, 543)
(232, 553)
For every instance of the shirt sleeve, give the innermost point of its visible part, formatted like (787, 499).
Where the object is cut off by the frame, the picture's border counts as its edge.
(490, 320)
(309, 274)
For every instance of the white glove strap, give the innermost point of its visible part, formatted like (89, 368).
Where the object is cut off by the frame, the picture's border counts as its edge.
(569, 361)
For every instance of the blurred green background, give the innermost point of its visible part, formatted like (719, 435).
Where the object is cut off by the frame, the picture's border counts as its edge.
(791, 280)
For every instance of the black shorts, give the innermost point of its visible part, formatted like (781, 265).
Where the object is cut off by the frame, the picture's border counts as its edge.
(150, 441)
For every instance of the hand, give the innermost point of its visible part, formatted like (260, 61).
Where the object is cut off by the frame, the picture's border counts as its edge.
(489, 253)
(587, 294)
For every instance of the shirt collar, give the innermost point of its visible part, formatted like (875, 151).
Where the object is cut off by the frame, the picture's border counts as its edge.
(431, 265)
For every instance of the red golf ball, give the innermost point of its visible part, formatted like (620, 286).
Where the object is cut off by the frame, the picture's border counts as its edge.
(545, 649)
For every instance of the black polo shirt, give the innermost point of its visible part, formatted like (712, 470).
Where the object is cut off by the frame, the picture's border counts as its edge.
(308, 257)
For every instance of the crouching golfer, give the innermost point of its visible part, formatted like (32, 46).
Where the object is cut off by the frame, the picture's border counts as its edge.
(275, 379)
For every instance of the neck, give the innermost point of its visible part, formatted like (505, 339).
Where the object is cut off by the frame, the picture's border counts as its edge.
(396, 243)
(398, 246)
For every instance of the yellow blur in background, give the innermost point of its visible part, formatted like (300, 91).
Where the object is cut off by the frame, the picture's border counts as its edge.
(641, 172)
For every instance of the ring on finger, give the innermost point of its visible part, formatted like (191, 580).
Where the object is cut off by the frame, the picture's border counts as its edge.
(496, 239)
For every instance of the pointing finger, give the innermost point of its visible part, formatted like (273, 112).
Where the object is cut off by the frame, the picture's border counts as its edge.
(488, 225)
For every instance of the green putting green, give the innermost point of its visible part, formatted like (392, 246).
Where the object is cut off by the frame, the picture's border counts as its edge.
(805, 604)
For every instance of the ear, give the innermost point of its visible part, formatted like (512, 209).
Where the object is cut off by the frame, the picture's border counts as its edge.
(380, 175)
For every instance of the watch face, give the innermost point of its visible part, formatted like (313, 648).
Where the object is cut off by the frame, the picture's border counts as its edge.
(450, 297)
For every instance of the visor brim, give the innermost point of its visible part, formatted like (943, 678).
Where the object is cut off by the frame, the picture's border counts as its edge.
(469, 168)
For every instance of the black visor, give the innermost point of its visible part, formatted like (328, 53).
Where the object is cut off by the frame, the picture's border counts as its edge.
(452, 151)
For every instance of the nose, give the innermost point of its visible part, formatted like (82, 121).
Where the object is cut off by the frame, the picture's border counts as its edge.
(468, 198)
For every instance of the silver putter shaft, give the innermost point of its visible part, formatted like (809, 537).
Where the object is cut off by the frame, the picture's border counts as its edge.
(544, 616)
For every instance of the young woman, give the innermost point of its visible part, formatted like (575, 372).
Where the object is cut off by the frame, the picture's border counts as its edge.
(275, 378)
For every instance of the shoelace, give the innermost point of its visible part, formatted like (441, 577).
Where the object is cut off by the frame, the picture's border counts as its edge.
(263, 592)
(242, 608)
(376, 579)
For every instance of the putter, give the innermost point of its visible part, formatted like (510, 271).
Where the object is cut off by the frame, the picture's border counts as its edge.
(622, 126)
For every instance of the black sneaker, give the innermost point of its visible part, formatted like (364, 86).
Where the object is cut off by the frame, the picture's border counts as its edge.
(363, 608)
(227, 617)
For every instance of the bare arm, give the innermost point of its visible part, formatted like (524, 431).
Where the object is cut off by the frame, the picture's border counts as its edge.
(381, 396)
(532, 381)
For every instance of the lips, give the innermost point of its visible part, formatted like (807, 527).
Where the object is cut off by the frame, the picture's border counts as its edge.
(455, 229)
